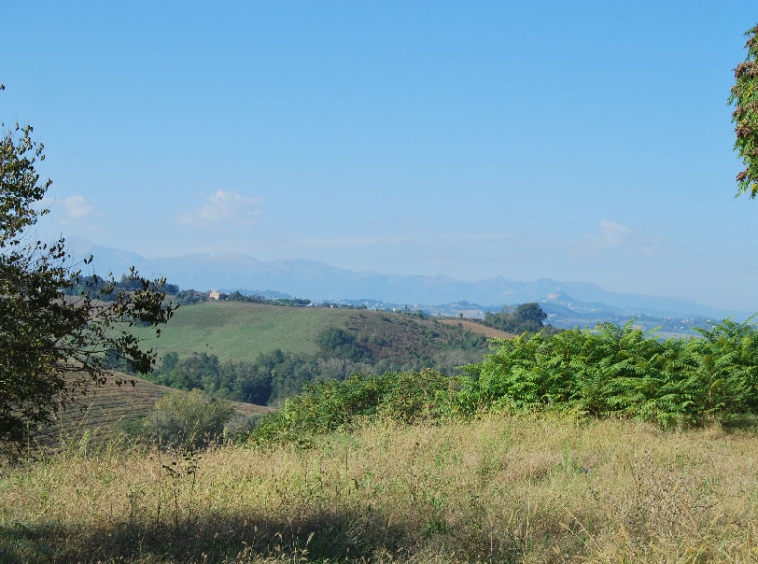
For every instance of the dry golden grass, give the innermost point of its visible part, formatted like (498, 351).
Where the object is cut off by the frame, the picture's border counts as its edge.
(501, 489)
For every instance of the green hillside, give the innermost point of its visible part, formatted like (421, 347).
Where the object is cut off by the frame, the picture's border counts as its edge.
(263, 353)
(240, 331)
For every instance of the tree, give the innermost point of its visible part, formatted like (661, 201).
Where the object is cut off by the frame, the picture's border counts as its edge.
(529, 317)
(744, 96)
(52, 344)
(337, 342)
(526, 317)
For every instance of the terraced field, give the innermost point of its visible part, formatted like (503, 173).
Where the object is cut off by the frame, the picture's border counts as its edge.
(102, 408)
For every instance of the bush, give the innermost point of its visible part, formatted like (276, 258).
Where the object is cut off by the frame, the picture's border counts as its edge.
(335, 342)
(188, 419)
(325, 406)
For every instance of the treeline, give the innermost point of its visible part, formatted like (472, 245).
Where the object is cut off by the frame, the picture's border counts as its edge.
(273, 376)
(189, 297)
(610, 371)
(106, 290)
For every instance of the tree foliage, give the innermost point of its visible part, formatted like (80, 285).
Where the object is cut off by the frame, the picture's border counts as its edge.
(50, 343)
(744, 96)
(338, 343)
(106, 290)
(371, 345)
(527, 317)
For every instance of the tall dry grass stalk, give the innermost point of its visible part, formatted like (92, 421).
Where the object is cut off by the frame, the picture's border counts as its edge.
(501, 489)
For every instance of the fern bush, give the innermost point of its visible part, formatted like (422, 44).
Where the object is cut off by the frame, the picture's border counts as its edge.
(622, 371)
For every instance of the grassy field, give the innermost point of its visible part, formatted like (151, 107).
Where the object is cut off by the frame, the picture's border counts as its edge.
(240, 331)
(498, 489)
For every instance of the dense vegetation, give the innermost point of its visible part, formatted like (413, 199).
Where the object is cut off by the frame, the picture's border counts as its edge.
(609, 371)
(188, 420)
(191, 296)
(395, 344)
(744, 97)
(106, 290)
(622, 371)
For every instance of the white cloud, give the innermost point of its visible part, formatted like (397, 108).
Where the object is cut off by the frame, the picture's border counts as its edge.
(354, 242)
(76, 207)
(611, 236)
(224, 206)
(473, 237)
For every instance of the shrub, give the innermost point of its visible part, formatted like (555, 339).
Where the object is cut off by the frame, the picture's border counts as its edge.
(188, 419)
(622, 371)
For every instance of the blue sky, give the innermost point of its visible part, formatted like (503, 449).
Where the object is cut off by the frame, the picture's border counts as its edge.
(579, 140)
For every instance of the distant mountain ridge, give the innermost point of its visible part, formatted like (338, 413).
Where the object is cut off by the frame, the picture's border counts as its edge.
(318, 281)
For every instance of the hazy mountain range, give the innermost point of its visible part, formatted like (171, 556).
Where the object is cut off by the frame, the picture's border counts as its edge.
(318, 281)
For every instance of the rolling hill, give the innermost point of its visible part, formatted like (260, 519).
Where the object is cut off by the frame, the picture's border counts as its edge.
(240, 331)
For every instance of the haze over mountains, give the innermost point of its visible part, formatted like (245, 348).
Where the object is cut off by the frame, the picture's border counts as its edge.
(318, 281)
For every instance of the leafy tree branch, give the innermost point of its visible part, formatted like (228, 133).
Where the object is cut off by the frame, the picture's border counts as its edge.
(51, 343)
